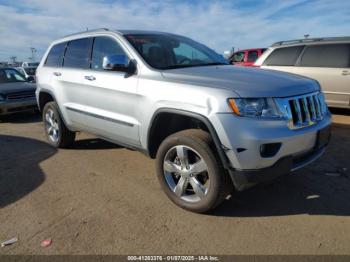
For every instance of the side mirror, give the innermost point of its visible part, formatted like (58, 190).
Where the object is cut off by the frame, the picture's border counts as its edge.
(30, 78)
(119, 63)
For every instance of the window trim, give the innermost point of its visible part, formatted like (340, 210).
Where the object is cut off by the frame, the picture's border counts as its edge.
(48, 53)
(128, 50)
(92, 49)
(89, 56)
(298, 64)
(296, 61)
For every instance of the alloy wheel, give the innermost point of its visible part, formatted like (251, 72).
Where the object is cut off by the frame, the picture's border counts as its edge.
(186, 173)
(51, 125)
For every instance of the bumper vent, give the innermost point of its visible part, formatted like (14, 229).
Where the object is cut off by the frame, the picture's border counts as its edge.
(20, 95)
(305, 110)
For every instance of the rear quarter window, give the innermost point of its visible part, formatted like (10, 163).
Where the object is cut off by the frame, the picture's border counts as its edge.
(55, 56)
(286, 56)
(334, 55)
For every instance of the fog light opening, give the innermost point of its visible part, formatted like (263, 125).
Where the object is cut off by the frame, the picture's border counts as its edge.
(269, 150)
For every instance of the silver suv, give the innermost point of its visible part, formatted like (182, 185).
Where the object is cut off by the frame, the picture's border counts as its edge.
(212, 127)
(326, 60)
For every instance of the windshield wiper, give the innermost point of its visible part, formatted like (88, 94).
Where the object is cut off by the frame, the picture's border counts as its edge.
(210, 64)
(194, 65)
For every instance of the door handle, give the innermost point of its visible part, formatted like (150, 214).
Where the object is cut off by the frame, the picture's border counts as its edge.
(345, 72)
(90, 78)
(57, 73)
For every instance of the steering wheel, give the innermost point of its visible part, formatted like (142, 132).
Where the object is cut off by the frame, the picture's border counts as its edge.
(185, 59)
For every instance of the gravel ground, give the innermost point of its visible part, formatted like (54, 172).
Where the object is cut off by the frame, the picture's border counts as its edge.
(98, 198)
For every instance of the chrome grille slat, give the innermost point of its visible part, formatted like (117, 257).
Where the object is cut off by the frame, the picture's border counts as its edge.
(306, 109)
(318, 108)
(303, 110)
(298, 111)
(313, 109)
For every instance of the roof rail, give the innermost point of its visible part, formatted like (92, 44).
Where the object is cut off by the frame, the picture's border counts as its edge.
(310, 40)
(89, 31)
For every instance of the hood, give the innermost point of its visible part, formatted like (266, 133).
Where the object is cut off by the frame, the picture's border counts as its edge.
(246, 82)
(6, 88)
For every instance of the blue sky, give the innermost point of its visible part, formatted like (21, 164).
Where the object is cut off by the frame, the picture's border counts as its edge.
(218, 24)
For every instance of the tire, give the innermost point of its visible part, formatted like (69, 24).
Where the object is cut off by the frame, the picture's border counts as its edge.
(58, 135)
(210, 181)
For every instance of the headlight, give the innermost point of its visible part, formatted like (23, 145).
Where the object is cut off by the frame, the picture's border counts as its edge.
(255, 107)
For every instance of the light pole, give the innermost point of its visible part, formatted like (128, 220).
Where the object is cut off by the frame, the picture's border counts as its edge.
(13, 58)
(33, 50)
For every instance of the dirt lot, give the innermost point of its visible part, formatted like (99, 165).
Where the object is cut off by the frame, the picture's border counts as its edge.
(98, 198)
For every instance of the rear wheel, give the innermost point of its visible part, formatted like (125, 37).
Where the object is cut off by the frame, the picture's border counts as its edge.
(56, 131)
(189, 172)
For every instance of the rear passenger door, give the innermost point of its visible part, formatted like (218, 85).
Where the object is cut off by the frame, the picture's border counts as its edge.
(329, 65)
(68, 82)
(103, 102)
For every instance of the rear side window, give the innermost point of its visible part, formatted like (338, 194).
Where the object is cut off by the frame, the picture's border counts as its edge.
(55, 56)
(78, 53)
(252, 56)
(104, 46)
(286, 56)
(335, 55)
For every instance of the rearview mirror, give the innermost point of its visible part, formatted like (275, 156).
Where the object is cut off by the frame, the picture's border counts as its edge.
(118, 63)
(30, 78)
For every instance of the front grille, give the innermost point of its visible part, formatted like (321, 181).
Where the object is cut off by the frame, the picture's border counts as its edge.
(20, 95)
(305, 110)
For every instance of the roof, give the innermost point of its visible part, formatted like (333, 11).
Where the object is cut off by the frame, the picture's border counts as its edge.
(312, 40)
(250, 49)
(122, 32)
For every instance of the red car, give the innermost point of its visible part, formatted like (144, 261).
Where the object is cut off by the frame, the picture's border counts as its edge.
(246, 57)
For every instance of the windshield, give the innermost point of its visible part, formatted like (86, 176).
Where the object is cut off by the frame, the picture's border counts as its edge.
(10, 76)
(171, 51)
(33, 64)
(30, 70)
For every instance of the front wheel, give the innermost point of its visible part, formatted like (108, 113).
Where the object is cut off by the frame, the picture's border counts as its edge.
(56, 131)
(189, 172)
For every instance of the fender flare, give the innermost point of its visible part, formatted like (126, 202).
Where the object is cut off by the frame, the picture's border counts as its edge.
(223, 158)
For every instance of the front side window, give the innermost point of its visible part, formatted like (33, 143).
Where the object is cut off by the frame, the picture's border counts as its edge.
(238, 57)
(335, 55)
(252, 56)
(286, 56)
(163, 51)
(55, 56)
(10, 76)
(104, 46)
(78, 53)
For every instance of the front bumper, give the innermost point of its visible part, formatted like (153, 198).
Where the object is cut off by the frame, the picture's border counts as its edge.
(7, 107)
(242, 139)
(244, 179)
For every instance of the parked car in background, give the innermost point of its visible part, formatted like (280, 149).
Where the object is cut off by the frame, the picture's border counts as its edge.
(28, 72)
(325, 59)
(246, 57)
(16, 92)
(211, 126)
